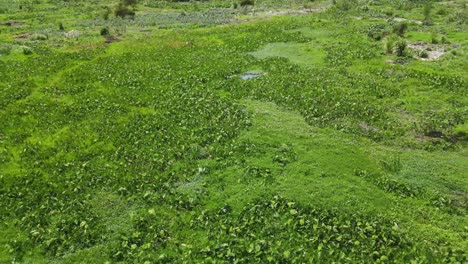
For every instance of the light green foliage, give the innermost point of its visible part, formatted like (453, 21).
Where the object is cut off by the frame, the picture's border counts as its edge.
(149, 146)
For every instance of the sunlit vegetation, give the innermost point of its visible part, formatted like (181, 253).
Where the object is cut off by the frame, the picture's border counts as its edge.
(233, 131)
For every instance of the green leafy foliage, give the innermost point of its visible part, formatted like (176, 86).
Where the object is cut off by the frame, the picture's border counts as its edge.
(145, 151)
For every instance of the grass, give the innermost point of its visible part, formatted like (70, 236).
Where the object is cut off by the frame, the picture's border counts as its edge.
(153, 148)
(298, 53)
(323, 174)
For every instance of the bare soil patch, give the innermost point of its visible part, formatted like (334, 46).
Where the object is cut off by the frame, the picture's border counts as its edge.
(24, 36)
(12, 23)
(111, 39)
(434, 52)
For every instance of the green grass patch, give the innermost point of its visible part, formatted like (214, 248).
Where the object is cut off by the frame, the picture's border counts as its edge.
(303, 54)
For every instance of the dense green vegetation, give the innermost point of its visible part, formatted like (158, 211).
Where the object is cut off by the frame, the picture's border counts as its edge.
(129, 132)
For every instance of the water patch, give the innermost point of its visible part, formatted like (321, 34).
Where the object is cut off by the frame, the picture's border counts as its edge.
(251, 75)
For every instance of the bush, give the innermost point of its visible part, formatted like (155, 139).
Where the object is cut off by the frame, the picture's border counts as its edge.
(123, 11)
(444, 40)
(345, 4)
(5, 49)
(27, 51)
(389, 44)
(377, 32)
(38, 37)
(247, 2)
(434, 39)
(399, 47)
(427, 11)
(130, 2)
(423, 54)
(400, 28)
(395, 45)
(104, 31)
(106, 13)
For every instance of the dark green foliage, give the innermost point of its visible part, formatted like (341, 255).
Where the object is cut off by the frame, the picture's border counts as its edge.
(377, 31)
(399, 48)
(400, 29)
(107, 13)
(104, 31)
(423, 54)
(149, 150)
(427, 9)
(5, 49)
(247, 2)
(123, 12)
(388, 184)
(345, 4)
(130, 2)
(287, 232)
(27, 51)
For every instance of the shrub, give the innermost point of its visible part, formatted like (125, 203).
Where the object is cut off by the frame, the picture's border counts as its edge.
(123, 11)
(395, 45)
(444, 40)
(104, 31)
(5, 49)
(130, 2)
(247, 2)
(399, 47)
(377, 32)
(345, 4)
(61, 28)
(38, 37)
(27, 51)
(400, 28)
(434, 39)
(442, 11)
(427, 11)
(423, 54)
(389, 44)
(107, 13)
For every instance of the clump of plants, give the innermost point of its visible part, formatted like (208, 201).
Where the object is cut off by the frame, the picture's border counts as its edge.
(27, 50)
(441, 124)
(38, 37)
(427, 9)
(423, 54)
(377, 32)
(5, 49)
(400, 28)
(123, 9)
(247, 2)
(344, 4)
(396, 46)
(107, 13)
(434, 39)
(104, 31)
